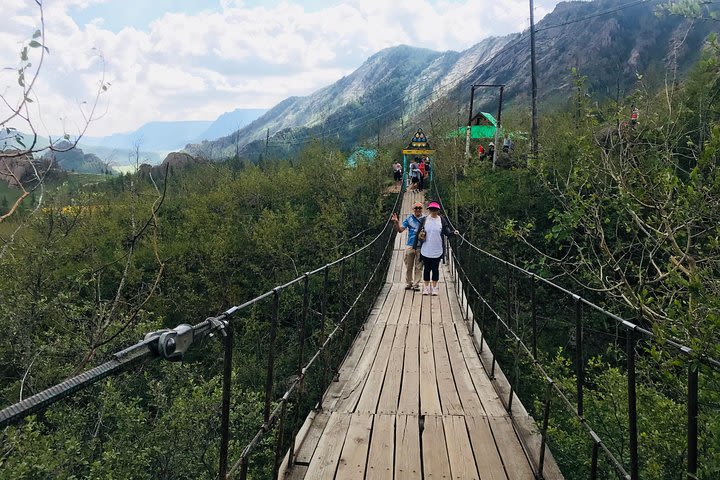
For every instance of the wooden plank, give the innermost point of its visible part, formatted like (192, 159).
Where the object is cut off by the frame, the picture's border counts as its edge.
(435, 306)
(410, 391)
(487, 457)
(397, 305)
(426, 309)
(373, 386)
(353, 458)
(350, 394)
(407, 448)
(348, 367)
(352, 372)
(511, 452)
(416, 310)
(297, 472)
(436, 464)
(360, 343)
(406, 308)
(399, 254)
(462, 461)
(429, 397)
(387, 296)
(464, 384)
(325, 460)
(449, 399)
(382, 448)
(307, 441)
(486, 392)
(302, 435)
(390, 393)
(491, 403)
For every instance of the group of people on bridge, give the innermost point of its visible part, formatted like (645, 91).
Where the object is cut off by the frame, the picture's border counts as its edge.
(425, 247)
(418, 172)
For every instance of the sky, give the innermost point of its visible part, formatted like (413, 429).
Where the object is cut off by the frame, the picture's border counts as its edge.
(172, 60)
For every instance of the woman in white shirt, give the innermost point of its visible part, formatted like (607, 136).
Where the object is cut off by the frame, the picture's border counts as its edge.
(436, 228)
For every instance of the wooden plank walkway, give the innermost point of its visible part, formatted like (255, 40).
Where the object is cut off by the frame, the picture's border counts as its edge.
(413, 400)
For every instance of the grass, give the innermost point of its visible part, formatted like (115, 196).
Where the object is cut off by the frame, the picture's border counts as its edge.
(73, 182)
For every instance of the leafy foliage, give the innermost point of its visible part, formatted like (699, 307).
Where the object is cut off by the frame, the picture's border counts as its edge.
(87, 279)
(626, 213)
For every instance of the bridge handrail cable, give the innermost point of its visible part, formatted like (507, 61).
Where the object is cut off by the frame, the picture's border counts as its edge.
(241, 465)
(673, 342)
(462, 277)
(148, 347)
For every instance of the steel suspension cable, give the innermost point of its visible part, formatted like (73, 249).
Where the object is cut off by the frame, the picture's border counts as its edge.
(677, 344)
(148, 347)
(274, 416)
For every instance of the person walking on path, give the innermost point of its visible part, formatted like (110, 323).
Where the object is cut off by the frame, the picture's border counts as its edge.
(428, 168)
(431, 240)
(397, 171)
(414, 175)
(412, 256)
(421, 182)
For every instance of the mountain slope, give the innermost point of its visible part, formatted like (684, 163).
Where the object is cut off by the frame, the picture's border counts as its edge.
(230, 122)
(388, 84)
(152, 136)
(611, 42)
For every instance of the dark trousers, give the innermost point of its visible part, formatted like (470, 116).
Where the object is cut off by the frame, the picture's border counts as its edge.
(432, 269)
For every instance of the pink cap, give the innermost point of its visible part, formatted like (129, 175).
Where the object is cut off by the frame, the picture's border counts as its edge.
(434, 205)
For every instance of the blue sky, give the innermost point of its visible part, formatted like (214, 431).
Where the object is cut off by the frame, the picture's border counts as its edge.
(194, 60)
(117, 15)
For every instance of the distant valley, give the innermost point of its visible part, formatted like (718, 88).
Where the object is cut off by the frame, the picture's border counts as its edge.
(155, 140)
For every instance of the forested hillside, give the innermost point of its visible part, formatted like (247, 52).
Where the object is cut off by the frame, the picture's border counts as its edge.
(622, 210)
(626, 215)
(135, 254)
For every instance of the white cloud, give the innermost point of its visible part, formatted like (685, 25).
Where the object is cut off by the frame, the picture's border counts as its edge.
(196, 66)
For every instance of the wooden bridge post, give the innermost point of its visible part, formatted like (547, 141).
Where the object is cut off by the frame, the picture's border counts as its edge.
(579, 365)
(353, 289)
(340, 315)
(543, 432)
(508, 300)
(482, 325)
(497, 335)
(271, 355)
(225, 409)
(301, 365)
(632, 405)
(280, 439)
(533, 316)
(692, 420)
(323, 320)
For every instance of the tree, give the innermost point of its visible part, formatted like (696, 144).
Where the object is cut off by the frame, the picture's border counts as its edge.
(638, 206)
(694, 9)
(19, 137)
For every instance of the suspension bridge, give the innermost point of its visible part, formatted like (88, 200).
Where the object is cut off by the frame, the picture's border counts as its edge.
(412, 398)
(381, 382)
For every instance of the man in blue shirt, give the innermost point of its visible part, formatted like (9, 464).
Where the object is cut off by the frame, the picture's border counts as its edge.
(412, 256)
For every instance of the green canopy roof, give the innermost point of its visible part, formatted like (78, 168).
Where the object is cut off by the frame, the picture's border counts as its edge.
(485, 130)
(361, 154)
